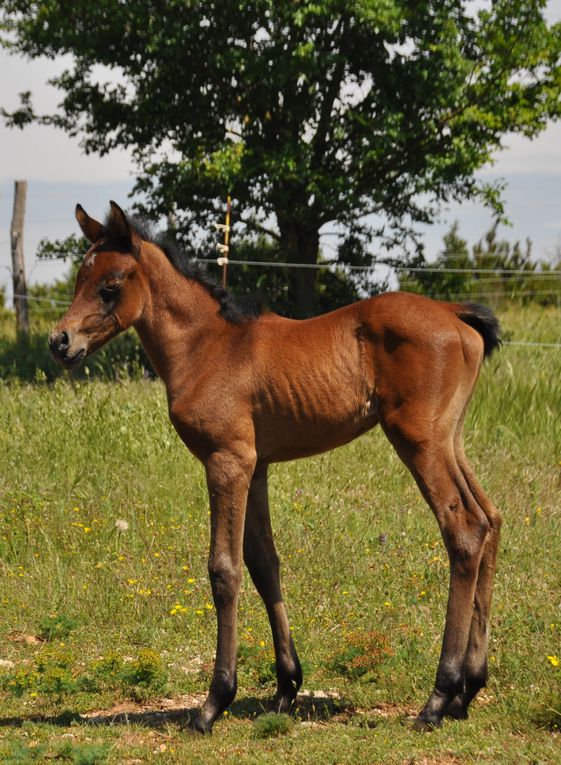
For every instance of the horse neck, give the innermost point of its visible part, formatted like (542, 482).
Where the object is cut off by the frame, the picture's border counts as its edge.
(178, 314)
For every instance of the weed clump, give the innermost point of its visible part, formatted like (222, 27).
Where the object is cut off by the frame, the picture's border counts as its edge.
(144, 676)
(84, 754)
(258, 663)
(271, 725)
(54, 673)
(21, 753)
(548, 714)
(361, 655)
(56, 627)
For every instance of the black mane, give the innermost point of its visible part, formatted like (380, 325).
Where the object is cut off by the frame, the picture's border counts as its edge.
(236, 310)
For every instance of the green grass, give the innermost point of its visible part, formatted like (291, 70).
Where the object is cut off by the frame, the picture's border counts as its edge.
(106, 604)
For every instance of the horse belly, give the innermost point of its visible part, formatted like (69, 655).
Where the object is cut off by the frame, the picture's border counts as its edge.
(301, 426)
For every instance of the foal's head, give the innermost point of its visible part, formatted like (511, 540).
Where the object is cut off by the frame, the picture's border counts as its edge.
(110, 288)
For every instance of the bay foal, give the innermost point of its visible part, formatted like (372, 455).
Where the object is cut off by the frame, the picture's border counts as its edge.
(248, 389)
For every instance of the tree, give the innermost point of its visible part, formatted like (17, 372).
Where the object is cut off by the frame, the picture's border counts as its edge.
(495, 269)
(450, 283)
(309, 113)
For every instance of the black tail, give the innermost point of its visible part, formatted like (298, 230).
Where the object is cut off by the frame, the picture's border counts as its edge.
(484, 321)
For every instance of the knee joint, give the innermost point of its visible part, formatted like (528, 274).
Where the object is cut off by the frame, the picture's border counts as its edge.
(225, 580)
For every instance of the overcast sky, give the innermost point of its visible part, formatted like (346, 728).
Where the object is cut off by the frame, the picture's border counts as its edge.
(59, 174)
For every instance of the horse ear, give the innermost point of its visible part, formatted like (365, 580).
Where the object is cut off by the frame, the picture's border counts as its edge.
(91, 228)
(120, 225)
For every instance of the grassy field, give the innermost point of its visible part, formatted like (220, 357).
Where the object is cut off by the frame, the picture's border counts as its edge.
(107, 627)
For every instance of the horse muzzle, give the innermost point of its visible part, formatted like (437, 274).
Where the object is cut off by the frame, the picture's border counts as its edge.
(63, 350)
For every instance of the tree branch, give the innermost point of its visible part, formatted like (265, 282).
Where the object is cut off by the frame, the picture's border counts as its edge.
(254, 225)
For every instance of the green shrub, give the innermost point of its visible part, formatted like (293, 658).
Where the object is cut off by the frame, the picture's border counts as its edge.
(56, 627)
(272, 725)
(258, 662)
(83, 754)
(144, 676)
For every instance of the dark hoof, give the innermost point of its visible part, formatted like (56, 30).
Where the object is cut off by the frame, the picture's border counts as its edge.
(197, 724)
(427, 723)
(283, 703)
(456, 709)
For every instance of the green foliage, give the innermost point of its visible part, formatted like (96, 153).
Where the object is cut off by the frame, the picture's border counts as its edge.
(144, 676)
(49, 674)
(257, 662)
(271, 725)
(547, 712)
(309, 114)
(336, 286)
(534, 282)
(22, 753)
(56, 627)
(71, 248)
(30, 360)
(55, 672)
(83, 754)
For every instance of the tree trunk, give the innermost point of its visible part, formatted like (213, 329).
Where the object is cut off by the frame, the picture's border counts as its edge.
(300, 244)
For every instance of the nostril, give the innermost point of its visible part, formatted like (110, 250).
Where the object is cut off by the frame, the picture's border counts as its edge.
(63, 342)
(59, 342)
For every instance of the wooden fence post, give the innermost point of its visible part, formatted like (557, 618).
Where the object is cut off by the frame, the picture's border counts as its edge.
(18, 265)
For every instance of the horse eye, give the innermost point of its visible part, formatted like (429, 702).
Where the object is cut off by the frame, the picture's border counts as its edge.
(109, 292)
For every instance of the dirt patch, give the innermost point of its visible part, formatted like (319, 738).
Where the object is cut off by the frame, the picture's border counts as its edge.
(389, 710)
(154, 714)
(312, 708)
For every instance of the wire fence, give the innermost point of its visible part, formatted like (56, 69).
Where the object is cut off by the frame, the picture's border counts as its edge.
(387, 264)
(41, 299)
(488, 276)
(551, 273)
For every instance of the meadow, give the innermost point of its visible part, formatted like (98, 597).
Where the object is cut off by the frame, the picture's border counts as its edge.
(107, 625)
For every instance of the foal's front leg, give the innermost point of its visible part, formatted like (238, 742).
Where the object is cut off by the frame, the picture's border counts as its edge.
(228, 479)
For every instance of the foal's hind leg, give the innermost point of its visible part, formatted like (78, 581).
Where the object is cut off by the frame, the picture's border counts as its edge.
(262, 562)
(430, 457)
(475, 667)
